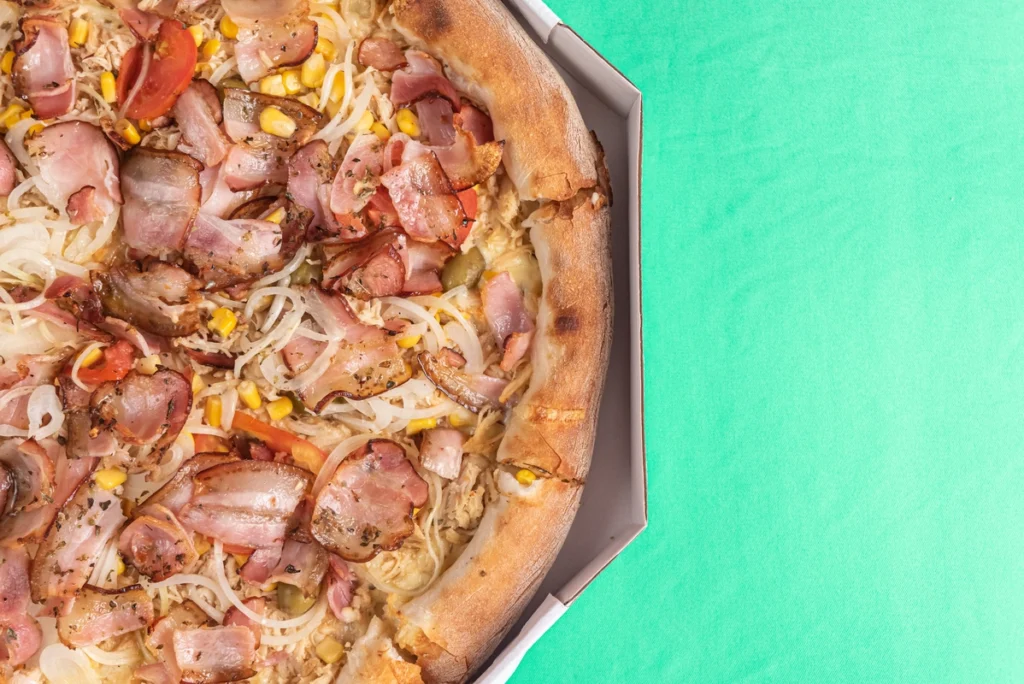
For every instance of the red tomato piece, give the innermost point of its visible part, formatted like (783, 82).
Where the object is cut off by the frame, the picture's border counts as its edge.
(208, 443)
(172, 61)
(468, 198)
(303, 452)
(114, 365)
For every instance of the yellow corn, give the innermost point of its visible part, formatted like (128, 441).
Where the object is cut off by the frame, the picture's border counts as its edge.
(78, 32)
(108, 87)
(7, 62)
(337, 90)
(309, 99)
(120, 565)
(273, 85)
(327, 49)
(35, 130)
(110, 478)
(200, 66)
(525, 477)
(197, 383)
(279, 408)
(211, 48)
(92, 357)
(201, 543)
(409, 341)
(11, 115)
(461, 418)
(197, 34)
(240, 558)
(419, 425)
(408, 123)
(276, 216)
(228, 27)
(292, 81)
(212, 411)
(313, 70)
(126, 129)
(381, 131)
(148, 365)
(487, 275)
(365, 123)
(276, 122)
(307, 456)
(145, 125)
(329, 650)
(222, 321)
(249, 395)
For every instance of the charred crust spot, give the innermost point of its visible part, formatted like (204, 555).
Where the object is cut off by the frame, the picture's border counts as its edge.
(566, 323)
(434, 18)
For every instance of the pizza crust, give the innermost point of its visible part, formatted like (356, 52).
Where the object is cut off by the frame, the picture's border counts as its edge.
(549, 153)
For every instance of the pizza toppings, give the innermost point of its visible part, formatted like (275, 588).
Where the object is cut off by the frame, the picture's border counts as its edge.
(300, 564)
(272, 45)
(99, 614)
(159, 298)
(156, 544)
(198, 113)
(31, 472)
(176, 493)
(381, 53)
(242, 119)
(144, 409)
(357, 180)
(246, 503)
(160, 641)
(422, 78)
(161, 198)
(367, 505)
(156, 71)
(425, 200)
(507, 318)
(473, 391)
(214, 654)
(236, 618)
(29, 526)
(78, 169)
(21, 634)
(43, 72)
(441, 451)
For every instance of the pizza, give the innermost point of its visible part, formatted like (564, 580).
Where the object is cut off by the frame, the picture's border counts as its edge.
(306, 312)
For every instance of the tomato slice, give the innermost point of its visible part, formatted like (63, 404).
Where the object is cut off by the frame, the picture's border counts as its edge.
(172, 61)
(304, 453)
(208, 443)
(468, 198)
(116, 363)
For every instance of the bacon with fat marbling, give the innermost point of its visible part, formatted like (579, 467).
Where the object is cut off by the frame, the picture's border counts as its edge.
(43, 72)
(156, 544)
(159, 298)
(144, 409)
(424, 198)
(177, 492)
(301, 564)
(441, 451)
(160, 640)
(381, 54)
(161, 197)
(29, 526)
(507, 317)
(214, 654)
(33, 471)
(357, 180)
(98, 614)
(423, 77)
(198, 113)
(236, 618)
(20, 634)
(473, 391)
(283, 43)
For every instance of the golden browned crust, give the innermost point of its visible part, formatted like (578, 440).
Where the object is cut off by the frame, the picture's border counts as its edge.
(549, 153)
(454, 626)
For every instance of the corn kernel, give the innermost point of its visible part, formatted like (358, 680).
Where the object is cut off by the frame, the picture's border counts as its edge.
(92, 357)
(11, 115)
(279, 408)
(275, 122)
(488, 274)
(145, 125)
(200, 66)
(126, 129)
(228, 27)
(7, 62)
(201, 543)
(108, 87)
(408, 123)
(292, 81)
(415, 512)
(461, 418)
(381, 131)
(222, 321)
(313, 70)
(276, 216)
(148, 364)
(249, 395)
(197, 383)
(27, 114)
(409, 341)
(329, 650)
(240, 558)
(197, 34)
(211, 48)
(120, 565)
(365, 123)
(273, 85)
(110, 478)
(310, 100)
(308, 456)
(525, 477)
(212, 411)
(327, 49)
(35, 130)
(78, 32)
(337, 90)
(420, 424)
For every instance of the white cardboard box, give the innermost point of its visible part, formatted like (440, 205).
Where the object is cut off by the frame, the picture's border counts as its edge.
(614, 507)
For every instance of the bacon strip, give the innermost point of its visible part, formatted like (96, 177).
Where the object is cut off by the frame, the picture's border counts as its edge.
(475, 392)
(161, 299)
(198, 113)
(215, 654)
(301, 564)
(507, 317)
(162, 195)
(422, 78)
(358, 178)
(100, 614)
(29, 526)
(282, 43)
(381, 53)
(33, 473)
(157, 545)
(425, 199)
(144, 409)
(43, 72)
(178, 491)
(441, 451)
(160, 640)
(20, 634)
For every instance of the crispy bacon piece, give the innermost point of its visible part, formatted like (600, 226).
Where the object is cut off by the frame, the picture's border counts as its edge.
(467, 157)
(474, 391)
(43, 72)
(29, 526)
(284, 42)
(242, 110)
(311, 173)
(162, 195)
(339, 586)
(198, 113)
(82, 442)
(215, 654)
(236, 618)
(33, 472)
(507, 318)
(371, 268)
(356, 182)
(247, 167)
(422, 78)
(72, 545)
(78, 169)
(424, 198)
(381, 54)
(99, 614)
(218, 197)
(367, 506)
(144, 409)
(160, 298)
(178, 491)
(441, 451)
(20, 634)
(157, 545)
(160, 641)
(246, 503)
(301, 564)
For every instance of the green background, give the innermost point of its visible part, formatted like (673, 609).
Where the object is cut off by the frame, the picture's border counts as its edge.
(833, 281)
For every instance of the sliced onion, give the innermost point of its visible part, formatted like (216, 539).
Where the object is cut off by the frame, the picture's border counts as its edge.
(62, 665)
(77, 365)
(315, 617)
(44, 402)
(420, 315)
(124, 656)
(229, 65)
(229, 402)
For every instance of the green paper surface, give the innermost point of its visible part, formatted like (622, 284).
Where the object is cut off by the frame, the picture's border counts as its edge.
(833, 280)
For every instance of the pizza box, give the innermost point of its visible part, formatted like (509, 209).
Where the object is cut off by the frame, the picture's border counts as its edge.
(614, 506)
